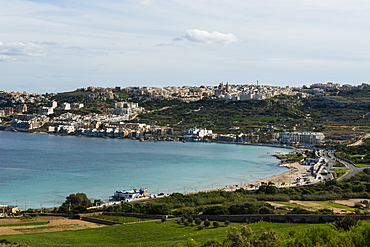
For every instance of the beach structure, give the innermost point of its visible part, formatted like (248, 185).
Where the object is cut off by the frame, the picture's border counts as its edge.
(128, 195)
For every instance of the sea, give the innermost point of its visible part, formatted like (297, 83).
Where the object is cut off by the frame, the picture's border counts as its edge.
(41, 170)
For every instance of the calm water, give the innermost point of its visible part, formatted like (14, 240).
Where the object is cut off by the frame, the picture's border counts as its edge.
(43, 169)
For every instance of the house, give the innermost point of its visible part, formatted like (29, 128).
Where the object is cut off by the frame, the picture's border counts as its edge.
(43, 110)
(128, 195)
(66, 106)
(6, 210)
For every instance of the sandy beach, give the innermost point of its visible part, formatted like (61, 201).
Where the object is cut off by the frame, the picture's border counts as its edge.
(296, 170)
(285, 179)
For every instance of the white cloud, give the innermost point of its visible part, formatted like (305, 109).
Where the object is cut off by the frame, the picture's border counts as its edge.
(207, 37)
(11, 50)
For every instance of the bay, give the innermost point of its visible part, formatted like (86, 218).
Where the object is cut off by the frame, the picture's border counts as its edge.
(38, 169)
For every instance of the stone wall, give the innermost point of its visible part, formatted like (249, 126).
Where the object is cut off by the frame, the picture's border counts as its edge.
(294, 218)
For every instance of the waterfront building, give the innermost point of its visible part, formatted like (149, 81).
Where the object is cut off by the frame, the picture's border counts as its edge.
(128, 195)
(311, 138)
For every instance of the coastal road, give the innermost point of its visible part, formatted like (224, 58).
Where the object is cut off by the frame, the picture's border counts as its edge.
(352, 168)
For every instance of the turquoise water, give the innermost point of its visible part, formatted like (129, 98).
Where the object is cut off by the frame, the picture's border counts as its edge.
(43, 169)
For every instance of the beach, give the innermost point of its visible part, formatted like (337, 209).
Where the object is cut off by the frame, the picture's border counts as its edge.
(293, 177)
(296, 170)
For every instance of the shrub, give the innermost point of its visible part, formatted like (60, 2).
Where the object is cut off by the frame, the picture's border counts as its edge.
(207, 223)
(345, 223)
(298, 210)
(76, 216)
(216, 210)
(227, 222)
(216, 224)
(198, 221)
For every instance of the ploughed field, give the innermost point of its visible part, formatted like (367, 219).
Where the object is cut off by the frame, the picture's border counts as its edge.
(12, 226)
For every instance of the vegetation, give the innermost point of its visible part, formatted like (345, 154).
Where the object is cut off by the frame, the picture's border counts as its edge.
(148, 234)
(344, 232)
(250, 201)
(25, 224)
(358, 155)
(75, 203)
(340, 169)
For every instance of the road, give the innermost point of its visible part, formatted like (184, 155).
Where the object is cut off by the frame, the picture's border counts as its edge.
(331, 158)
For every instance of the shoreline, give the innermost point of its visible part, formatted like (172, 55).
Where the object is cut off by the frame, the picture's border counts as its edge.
(281, 180)
(33, 131)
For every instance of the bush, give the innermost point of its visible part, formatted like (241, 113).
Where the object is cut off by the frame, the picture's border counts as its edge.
(216, 224)
(345, 223)
(298, 210)
(76, 217)
(207, 223)
(216, 210)
(265, 210)
(198, 221)
(227, 222)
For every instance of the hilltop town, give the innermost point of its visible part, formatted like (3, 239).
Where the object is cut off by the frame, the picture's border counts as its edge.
(225, 113)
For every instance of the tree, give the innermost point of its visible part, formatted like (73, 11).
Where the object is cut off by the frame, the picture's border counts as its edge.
(216, 210)
(79, 199)
(268, 188)
(76, 203)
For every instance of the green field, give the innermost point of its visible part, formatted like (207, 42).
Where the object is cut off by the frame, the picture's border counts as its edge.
(362, 165)
(144, 234)
(340, 169)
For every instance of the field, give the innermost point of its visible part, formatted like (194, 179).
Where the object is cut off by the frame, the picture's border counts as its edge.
(15, 226)
(344, 206)
(154, 234)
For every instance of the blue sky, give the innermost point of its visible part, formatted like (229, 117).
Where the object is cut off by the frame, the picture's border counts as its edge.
(57, 46)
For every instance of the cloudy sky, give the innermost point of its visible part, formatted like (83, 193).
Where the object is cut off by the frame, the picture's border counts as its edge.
(61, 45)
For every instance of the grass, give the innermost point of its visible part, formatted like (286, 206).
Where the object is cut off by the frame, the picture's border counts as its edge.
(324, 204)
(340, 169)
(336, 205)
(30, 230)
(25, 224)
(338, 174)
(362, 165)
(144, 234)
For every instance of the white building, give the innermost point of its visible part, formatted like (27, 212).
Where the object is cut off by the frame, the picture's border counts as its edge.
(66, 106)
(198, 132)
(46, 110)
(128, 195)
(301, 137)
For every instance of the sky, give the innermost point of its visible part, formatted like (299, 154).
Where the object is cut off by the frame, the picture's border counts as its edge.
(62, 45)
